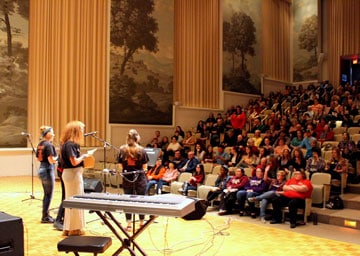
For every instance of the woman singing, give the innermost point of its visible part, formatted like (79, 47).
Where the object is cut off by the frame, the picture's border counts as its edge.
(72, 162)
(46, 154)
(133, 161)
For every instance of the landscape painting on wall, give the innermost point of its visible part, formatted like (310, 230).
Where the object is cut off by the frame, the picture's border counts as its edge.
(141, 62)
(242, 46)
(305, 40)
(14, 22)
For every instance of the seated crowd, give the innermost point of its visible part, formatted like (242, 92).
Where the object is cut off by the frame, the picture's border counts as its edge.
(283, 148)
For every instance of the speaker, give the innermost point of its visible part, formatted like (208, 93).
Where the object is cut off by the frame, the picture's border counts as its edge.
(92, 185)
(200, 210)
(11, 235)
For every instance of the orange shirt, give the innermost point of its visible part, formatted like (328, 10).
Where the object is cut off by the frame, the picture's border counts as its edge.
(295, 194)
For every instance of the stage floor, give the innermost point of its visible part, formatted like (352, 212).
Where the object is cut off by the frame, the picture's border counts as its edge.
(212, 235)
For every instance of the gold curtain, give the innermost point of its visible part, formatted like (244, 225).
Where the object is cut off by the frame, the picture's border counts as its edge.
(68, 67)
(343, 33)
(276, 43)
(197, 53)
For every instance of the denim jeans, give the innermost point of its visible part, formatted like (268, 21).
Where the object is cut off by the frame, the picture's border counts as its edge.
(61, 211)
(265, 198)
(149, 184)
(242, 196)
(46, 174)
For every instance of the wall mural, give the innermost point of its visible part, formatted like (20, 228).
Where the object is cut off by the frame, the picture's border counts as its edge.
(305, 40)
(14, 23)
(141, 62)
(242, 46)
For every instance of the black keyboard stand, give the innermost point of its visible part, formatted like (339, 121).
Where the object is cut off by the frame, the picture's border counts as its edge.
(127, 240)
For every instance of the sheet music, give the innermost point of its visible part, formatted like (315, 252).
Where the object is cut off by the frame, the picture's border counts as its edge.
(91, 151)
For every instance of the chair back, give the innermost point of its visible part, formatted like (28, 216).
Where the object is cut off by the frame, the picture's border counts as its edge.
(248, 171)
(184, 176)
(353, 130)
(216, 169)
(320, 178)
(210, 179)
(208, 167)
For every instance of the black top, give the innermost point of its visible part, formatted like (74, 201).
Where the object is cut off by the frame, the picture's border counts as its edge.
(44, 150)
(68, 150)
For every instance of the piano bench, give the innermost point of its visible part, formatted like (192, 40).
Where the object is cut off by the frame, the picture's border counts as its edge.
(76, 244)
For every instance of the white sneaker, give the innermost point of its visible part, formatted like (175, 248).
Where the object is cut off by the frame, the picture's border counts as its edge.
(263, 219)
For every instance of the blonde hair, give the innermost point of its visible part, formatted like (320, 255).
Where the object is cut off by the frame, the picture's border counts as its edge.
(281, 172)
(74, 131)
(45, 129)
(132, 147)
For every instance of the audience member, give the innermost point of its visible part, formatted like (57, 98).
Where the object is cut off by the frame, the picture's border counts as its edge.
(294, 193)
(315, 163)
(220, 184)
(154, 175)
(266, 197)
(170, 175)
(336, 167)
(254, 187)
(209, 156)
(189, 164)
(221, 156)
(228, 196)
(197, 178)
(235, 157)
(199, 152)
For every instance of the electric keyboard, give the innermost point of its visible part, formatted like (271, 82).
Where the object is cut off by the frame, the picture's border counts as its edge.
(164, 205)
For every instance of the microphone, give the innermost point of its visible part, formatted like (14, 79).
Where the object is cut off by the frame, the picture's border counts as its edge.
(25, 134)
(90, 133)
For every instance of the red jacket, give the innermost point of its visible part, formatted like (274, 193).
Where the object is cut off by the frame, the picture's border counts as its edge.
(238, 121)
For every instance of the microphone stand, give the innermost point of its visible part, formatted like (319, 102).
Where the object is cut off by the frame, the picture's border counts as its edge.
(32, 196)
(106, 144)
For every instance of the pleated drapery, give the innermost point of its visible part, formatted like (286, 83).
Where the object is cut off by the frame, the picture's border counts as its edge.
(276, 43)
(68, 65)
(197, 53)
(342, 35)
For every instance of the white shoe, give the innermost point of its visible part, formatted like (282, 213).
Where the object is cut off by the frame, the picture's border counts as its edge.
(263, 219)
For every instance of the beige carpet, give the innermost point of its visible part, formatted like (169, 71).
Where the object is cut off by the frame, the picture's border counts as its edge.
(213, 235)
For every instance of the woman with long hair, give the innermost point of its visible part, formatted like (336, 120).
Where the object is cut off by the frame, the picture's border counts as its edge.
(47, 156)
(197, 178)
(133, 160)
(72, 162)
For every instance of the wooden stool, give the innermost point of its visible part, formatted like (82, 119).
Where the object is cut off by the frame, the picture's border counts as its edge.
(76, 244)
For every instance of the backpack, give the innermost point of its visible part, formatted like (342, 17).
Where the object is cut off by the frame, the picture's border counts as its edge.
(335, 203)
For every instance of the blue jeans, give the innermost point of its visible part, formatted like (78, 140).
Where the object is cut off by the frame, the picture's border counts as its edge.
(243, 195)
(149, 184)
(265, 200)
(61, 211)
(47, 176)
(160, 184)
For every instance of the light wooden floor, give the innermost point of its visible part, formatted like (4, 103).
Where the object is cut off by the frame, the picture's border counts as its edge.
(213, 235)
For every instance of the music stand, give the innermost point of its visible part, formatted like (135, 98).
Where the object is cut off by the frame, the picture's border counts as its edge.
(32, 196)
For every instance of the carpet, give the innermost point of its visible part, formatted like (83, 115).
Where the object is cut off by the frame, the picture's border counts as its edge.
(212, 235)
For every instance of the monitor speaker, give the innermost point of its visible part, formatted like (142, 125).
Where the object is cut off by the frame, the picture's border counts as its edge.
(92, 185)
(200, 210)
(11, 235)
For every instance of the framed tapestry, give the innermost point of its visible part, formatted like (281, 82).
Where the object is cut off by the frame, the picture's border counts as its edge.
(141, 62)
(14, 24)
(305, 38)
(242, 46)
